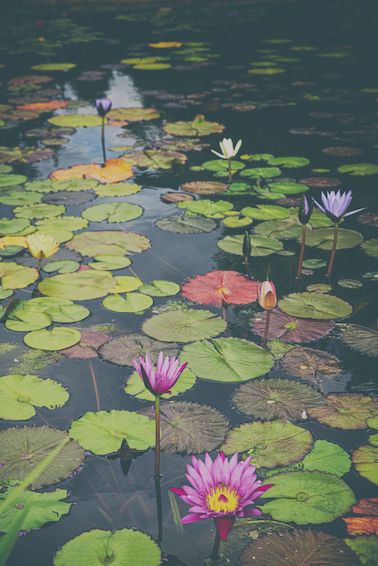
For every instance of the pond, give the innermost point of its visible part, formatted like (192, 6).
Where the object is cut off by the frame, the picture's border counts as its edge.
(123, 234)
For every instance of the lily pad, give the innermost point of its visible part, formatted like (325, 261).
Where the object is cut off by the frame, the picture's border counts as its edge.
(112, 212)
(134, 114)
(184, 224)
(39, 210)
(160, 288)
(311, 364)
(10, 226)
(370, 247)
(61, 266)
(108, 242)
(125, 284)
(266, 212)
(366, 548)
(260, 245)
(13, 197)
(184, 325)
(136, 388)
(125, 546)
(308, 498)
(220, 167)
(322, 238)
(117, 189)
(122, 350)
(57, 338)
(14, 276)
(219, 287)
(204, 187)
(289, 162)
(51, 185)
(19, 394)
(347, 411)
(206, 207)
(156, 159)
(288, 188)
(198, 127)
(102, 432)
(227, 359)
(90, 343)
(365, 460)
(10, 180)
(350, 283)
(40, 312)
(267, 399)
(261, 172)
(75, 121)
(315, 305)
(362, 339)
(291, 329)
(327, 457)
(23, 448)
(359, 169)
(271, 444)
(298, 548)
(54, 67)
(114, 171)
(135, 303)
(109, 262)
(79, 286)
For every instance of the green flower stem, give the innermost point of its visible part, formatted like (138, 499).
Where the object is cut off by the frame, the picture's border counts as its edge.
(266, 329)
(157, 437)
(301, 253)
(103, 141)
(333, 251)
(229, 170)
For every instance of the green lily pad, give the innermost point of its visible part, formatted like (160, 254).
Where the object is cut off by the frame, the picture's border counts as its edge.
(10, 180)
(66, 223)
(53, 185)
(359, 169)
(112, 242)
(42, 311)
(134, 114)
(366, 548)
(109, 262)
(15, 198)
(315, 305)
(54, 67)
(327, 457)
(268, 71)
(315, 264)
(350, 283)
(198, 127)
(266, 212)
(125, 546)
(13, 226)
(347, 411)
(160, 288)
(75, 121)
(117, 189)
(14, 276)
(78, 286)
(370, 247)
(23, 448)
(220, 167)
(126, 284)
(112, 212)
(271, 444)
(135, 303)
(102, 432)
(156, 159)
(206, 207)
(308, 498)
(365, 460)
(19, 394)
(288, 188)
(185, 224)
(55, 339)
(362, 339)
(260, 246)
(227, 359)
(184, 325)
(268, 399)
(322, 238)
(261, 172)
(124, 349)
(61, 266)
(135, 386)
(289, 162)
(42, 508)
(39, 210)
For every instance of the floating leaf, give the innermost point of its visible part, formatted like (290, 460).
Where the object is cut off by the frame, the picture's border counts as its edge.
(291, 329)
(183, 224)
(298, 548)
(79, 286)
(315, 305)
(125, 546)
(109, 262)
(132, 303)
(350, 283)
(135, 386)
(160, 288)
(322, 239)
(219, 287)
(266, 212)
(23, 316)
(370, 247)
(44, 106)
(308, 498)
(112, 212)
(14, 276)
(308, 363)
(359, 169)
(114, 171)
(184, 325)
(39, 210)
(261, 172)
(347, 411)
(134, 114)
(267, 399)
(57, 338)
(51, 185)
(87, 348)
(19, 394)
(289, 162)
(367, 524)
(54, 67)
(362, 339)
(198, 127)
(102, 432)
(75, 121)
(112, 242)
(117, 189)
(61, 266)
(260, 245)
(366, 548)
(220, 167)
(365, 460)
(124, 349)
(271, 444)
(327, 457)
(288, 187)
(68, 198)
(204, 187)
(23, 448)
(206, 207)
(156, 159)
(12, 226)
(10, 180)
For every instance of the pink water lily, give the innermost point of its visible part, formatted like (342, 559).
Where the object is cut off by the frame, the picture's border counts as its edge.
(160, 379)
(222, 490)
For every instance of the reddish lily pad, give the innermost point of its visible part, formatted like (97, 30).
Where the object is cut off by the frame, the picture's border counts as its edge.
(218, 287)
(204, 187)
(90, 342)
(311, 364)
(367, 521)
(290, 328)
(321, 182)
(114, 171)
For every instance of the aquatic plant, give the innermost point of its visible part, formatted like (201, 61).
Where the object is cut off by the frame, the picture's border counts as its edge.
(304, 215)
(103, 106)
(267, 298)
(228, 151)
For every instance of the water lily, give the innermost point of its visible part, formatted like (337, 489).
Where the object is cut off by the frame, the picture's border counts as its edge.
(304, 215)
(103, 106)
(223, 490)
(267, 297)
(335, 205)
(41, 246)
(158, 380)
(228, 151)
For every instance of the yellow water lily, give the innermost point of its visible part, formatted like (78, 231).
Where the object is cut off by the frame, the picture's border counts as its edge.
(41, 245)
(12, 241)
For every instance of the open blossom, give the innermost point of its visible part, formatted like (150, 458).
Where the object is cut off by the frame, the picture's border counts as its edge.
(41, 245)
(103, 106)
(267, 295)
(222, 490)
(160, 379)
(335, 204)
(227, 148)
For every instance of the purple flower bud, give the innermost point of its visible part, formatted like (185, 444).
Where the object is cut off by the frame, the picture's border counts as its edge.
(103, 106)
(305, 210)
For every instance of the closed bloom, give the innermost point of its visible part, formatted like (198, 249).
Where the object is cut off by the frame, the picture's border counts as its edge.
(103, 106)
(335, 204)
(305, 210)
(221, 490)
(160, 379)
(227, 148)
(41, 245)
(267, 295)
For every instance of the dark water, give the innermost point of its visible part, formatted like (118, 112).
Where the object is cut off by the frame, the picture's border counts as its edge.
(102, 496)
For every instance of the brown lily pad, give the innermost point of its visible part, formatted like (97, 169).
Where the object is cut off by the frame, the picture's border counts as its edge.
(90, 343)
(369, 218)
(347, 411)
(362, 339)
(341, 151)
(122, 350)
(204, 187)
(172, 198)
(311, 364)
(321, 182)
(290, 328)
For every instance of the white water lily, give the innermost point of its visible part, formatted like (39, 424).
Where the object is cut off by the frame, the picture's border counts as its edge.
(227, 148)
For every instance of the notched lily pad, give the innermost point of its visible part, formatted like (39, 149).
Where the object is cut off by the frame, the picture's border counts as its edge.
(122, 350)
(135, 386)
(315, 305)
(198, 127)
(112, 212)
(184, 325)
(311, 364)
(362, 339)
(57, 338)
(260, 245)
(347, 411)
(78, 286)
(291, 329)
(184, 224)
(111, 242)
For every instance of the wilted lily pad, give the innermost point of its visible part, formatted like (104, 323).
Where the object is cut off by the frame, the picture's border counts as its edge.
(268, 399)
(362, 339)
(271, 444)
(19, 394)
(184, 224)
(260, 245)
(322, 238)
(135, 386)
(79, 286)
(311, 364)
(315, 305)
(219, 287)
(90, 342)
(110, 242)
(114, 171)
(308, 498)
(23, 448)
(57, 338)
(347, 411)
(102, 432)
(184, 325)
(112, 212)
(227, 359)
(291, 329)
(124, 349)
(126, 546)
(198, 127)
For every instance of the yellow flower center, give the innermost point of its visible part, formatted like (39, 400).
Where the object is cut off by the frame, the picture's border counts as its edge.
(222, 499)
(222, 291)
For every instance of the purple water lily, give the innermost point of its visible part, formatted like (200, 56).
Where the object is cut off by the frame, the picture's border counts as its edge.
(305, 210)
(103, 106)
(335, 204)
